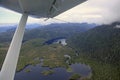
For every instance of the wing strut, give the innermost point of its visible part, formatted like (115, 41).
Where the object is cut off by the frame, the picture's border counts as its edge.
(9, 66)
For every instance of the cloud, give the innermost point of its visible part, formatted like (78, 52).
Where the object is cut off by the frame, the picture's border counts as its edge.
(94, 11)
(110, 9)
(117, 26)
(91, 11)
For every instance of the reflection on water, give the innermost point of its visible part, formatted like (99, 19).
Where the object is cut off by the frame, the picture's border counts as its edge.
(60, 73)
(82, 69)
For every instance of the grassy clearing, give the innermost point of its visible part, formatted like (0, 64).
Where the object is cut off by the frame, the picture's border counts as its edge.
(75, 77)
(53, 54)
(47, 72)
(69, 69)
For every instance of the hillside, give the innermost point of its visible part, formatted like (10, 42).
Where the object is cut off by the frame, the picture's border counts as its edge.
(48, 31)
(102, 42)
(34, 36)
(99, 48)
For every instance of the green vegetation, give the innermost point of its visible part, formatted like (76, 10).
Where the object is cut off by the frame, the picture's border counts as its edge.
(75, 77)
(47, 72)
(101, 43)
(3, 50)
(48, 31)
(69, 69)
(33, 44)
(27, 70)
(100, 71)
(53, 54)
(100, 49)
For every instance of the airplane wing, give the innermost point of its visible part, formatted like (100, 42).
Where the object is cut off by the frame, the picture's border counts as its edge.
(40, 8)
(61, 6)
(35, 8)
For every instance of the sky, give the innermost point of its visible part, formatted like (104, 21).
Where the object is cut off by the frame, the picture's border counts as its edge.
(91, 11)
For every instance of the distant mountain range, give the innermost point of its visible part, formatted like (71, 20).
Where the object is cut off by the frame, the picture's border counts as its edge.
(5, 27)
(48, 31)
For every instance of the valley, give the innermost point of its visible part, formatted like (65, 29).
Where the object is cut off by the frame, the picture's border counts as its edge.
(96, 47)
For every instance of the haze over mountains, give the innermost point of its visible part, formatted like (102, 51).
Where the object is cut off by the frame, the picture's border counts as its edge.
(5, 27)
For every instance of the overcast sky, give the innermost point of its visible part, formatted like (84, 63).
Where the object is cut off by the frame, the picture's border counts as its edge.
(92, 11)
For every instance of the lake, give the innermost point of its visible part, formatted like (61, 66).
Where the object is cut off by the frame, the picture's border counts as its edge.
(59, 40)
(59, 74)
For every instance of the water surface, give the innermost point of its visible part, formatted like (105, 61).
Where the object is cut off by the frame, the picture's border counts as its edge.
(59, 74)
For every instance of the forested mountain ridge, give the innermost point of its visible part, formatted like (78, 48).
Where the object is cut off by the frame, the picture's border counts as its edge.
(100, 49)
(48, 31)
(101, 43)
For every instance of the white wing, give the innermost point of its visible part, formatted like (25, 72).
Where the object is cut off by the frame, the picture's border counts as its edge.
(40, 8)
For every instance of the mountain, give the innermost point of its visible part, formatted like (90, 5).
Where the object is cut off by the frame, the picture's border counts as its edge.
(101, 43)
(48, 31)
(100, 49)
(34, 39)
(6, 27)
(57, 30)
